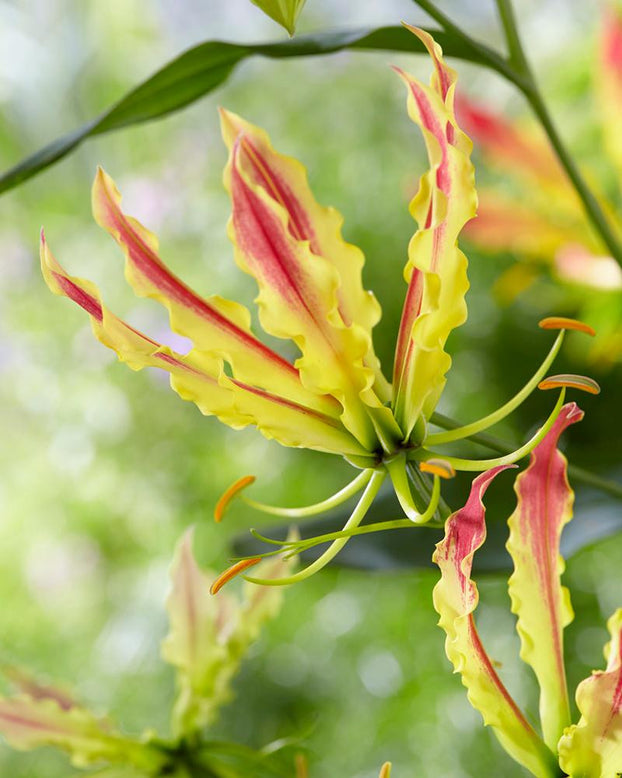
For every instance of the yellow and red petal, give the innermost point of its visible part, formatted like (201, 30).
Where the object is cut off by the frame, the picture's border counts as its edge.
(540, 602)
(284, 179)
(509, 145)
(298, 296)
(608, 79)
(200, 378)
(29, 723)
(436, 268)
(216, 326)
(593, 747)
(455, 599)
(577, 264)
(505, 224)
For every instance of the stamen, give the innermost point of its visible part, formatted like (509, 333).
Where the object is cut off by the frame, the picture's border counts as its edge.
(479, 465)
(440, 467)
(581, 382)
(231, 572)
(563, 323)
(230, 493)
(349, 490)
(448, 436)
(385, 770)
(367, 529)
(358, 514)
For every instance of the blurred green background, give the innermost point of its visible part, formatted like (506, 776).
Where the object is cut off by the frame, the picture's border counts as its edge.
(102, 469)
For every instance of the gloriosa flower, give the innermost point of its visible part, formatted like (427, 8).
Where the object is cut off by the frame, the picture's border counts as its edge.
(591, 748)
(207, 640)
(543, 219)
(334, 398)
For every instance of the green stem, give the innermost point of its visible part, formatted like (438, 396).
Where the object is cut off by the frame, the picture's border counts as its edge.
(528, 86)
(494, 443)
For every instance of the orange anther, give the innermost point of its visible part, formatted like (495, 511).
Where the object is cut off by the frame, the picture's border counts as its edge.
(562, 323)
(385, 770)
(230, 493)
(302, 766)
(439, 467)
(231, 572)
(581, 382)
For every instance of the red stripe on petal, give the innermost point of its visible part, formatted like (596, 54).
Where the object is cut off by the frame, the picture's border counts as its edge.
(266, 247)
(278, 188)
(79, 296)
(410, 312)
(147, 263)
(281, 401)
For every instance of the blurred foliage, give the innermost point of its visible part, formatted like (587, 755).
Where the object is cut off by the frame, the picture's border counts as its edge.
(102, 468)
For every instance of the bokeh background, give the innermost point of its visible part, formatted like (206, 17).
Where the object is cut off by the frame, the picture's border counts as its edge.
(102, 469)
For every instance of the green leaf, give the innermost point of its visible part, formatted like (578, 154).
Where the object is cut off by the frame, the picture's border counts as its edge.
(203, 68)
(284, 12)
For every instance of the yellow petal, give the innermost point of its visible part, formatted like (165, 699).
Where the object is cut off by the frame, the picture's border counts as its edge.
(577, 264)
(609, 82)
(593, 747)
(216, 326)
(285, 179)
(436, 268)
(298, 295)
(513, 147)
(455, 599)
(507, 224)
(29, 723)
(539, 600)
(200, 378)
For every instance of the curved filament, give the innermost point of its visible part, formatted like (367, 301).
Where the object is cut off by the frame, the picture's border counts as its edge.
(358, 514)
(352, 488)
(479, 465)
(437, 438)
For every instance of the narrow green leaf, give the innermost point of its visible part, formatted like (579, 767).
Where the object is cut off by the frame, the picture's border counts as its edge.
(202, 69)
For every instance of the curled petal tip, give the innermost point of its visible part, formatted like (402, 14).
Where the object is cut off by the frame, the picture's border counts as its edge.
(229, 494)
(581, 382)
(231, 572)
(564, 323)
(439, 467)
